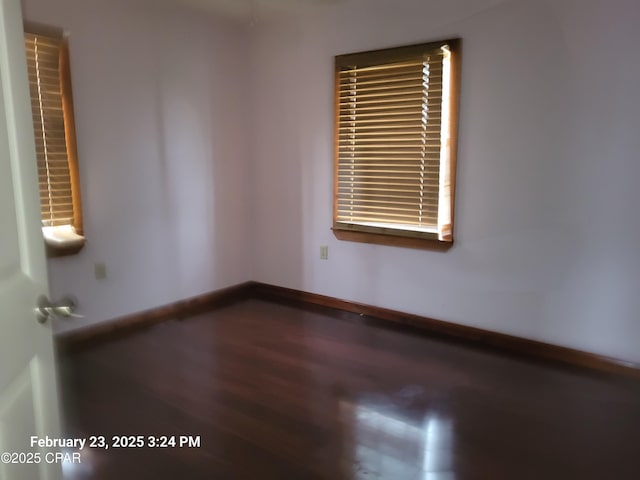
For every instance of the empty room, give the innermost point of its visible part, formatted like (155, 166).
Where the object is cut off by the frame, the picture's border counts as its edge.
(319, 239)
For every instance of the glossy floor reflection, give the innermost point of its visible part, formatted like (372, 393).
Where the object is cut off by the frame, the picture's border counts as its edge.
(389, 445)
(279, 392)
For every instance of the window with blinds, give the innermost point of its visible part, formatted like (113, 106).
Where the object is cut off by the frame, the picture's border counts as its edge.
(55, 141)
(395, 141)
(45, 57)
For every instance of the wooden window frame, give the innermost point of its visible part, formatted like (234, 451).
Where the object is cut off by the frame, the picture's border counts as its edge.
(388, 236)
(64, 67)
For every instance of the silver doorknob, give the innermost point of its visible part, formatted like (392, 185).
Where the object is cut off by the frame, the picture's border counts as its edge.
(62, 308)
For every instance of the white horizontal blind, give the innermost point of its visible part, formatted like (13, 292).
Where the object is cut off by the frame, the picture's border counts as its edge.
(43, 62)
(389, 142)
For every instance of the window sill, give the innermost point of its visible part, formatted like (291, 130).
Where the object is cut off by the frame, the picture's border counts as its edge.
(393, 240)
(62, 241)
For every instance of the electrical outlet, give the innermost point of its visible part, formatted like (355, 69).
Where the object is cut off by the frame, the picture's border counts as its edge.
(324, 252)
(100, 270)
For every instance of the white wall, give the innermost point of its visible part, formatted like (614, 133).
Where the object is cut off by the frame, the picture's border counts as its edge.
(547, 225)
(161, 120)
(547, 231)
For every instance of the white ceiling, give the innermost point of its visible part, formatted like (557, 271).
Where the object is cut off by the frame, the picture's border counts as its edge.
(247, 9)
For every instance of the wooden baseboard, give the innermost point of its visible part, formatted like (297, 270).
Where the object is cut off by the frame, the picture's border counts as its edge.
(118, 327)
(478, 336)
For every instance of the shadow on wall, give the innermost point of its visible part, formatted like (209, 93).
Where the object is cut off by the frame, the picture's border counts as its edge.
(203, 147)
(279, 149)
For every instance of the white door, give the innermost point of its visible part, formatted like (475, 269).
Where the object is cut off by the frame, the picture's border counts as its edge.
(28, 394)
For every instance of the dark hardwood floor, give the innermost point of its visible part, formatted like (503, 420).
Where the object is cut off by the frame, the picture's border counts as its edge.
(281, 392)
